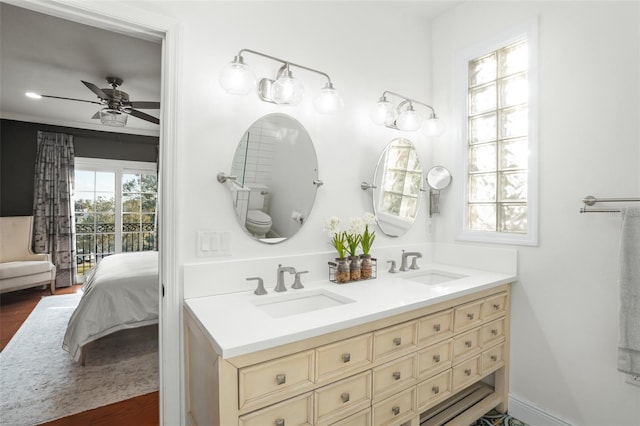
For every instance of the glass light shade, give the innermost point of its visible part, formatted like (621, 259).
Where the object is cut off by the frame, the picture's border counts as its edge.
(434, 127)
(287, 90)
(113, 117)
(328, 101)
(409, 120)
(237, 78)
(382, 112)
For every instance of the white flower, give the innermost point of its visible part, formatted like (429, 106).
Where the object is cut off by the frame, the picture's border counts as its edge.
(356, 226)
(370, 219)
(331, 225)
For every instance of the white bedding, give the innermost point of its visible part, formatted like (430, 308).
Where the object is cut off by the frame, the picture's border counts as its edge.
(119, 292)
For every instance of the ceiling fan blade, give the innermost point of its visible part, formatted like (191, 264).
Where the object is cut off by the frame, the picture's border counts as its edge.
(143, 105)
(72, 99)
(95, 89)
(143, 116)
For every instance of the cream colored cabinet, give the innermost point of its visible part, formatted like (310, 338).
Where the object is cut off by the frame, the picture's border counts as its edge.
(391, 371)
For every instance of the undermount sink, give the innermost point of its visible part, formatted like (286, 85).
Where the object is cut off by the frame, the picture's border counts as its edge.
(300, 302)
(431, 277)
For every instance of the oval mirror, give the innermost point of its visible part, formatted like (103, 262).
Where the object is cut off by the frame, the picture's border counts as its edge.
(276, 172)
(396, 187)
(438, 177)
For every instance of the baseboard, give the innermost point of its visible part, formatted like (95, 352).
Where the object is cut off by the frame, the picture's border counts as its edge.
(533, 415)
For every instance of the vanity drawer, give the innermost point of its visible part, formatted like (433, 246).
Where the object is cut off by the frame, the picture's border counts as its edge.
(395, 341)
(467, 316)
(492, 359)
(295, 411)
(343, 398)
(340, 358)
(363, 418)
(395, 410)
(494, 306)
(394, 375)
(465, 373)
(266, 382)
(434, 359)
(434, 390)
(492, 333)
(435, 327)
(466, 345)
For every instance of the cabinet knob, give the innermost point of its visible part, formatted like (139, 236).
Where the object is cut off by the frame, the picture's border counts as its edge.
(346, 357)
(436, 389)
(395, 410)
(397, 341)
(279, 422)
(396, 375)
(468, 343)
(467, 372)
(281, 379)
(436, 327)
(494, 332)
(470, 316)
(345, 397)
(496, 306)
(494, 358)
(436, 358)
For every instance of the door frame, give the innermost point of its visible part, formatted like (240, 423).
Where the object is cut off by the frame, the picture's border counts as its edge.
(136, 22)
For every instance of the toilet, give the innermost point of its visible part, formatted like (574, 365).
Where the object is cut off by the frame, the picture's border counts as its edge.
(258, 223)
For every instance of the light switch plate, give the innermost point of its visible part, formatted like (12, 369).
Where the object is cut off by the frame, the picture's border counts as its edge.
(211, 242)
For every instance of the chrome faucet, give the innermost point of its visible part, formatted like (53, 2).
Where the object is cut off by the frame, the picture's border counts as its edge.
(414, 263)
(280, 281)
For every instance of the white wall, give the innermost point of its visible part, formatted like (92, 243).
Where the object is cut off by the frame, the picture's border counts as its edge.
(565, 303)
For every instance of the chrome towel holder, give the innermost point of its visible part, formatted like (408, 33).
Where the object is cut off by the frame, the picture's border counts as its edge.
(590, 200)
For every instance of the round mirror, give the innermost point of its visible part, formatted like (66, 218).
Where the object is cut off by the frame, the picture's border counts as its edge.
(276, 172)
(438, 177)
(396, 187)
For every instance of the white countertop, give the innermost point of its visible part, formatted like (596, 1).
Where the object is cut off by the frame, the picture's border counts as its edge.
(236, 326)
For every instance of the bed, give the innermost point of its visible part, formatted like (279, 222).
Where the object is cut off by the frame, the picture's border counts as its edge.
(120, 292)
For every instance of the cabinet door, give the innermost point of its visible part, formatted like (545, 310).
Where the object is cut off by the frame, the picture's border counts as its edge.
(393, 376)
(492, 333)
(435, 327)
(492, 359)
(434, 390)
(467, 316)
(395, 341)
(465, 373)
(434, 359)
(494, 306)
(466, 345)
(343, 398)
(340, 358)
(293, 412)
(270, 381)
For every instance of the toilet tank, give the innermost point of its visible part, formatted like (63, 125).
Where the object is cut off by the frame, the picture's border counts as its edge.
(257, 194)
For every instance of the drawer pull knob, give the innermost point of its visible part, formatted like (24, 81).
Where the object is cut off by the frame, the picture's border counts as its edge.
(468, 343)
(470, 316)
(496, 306)
(494, 358)
(345, 397)
(436, 358)
(467, 371)
(395, 410)
(436, 327)
(346, 357)
(396, 375)
(397, 341)
(279, 422)
(494, 332)
(436, 389)
(281, 379)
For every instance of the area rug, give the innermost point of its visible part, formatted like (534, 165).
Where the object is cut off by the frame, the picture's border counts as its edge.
(40, 382)
(495, 418)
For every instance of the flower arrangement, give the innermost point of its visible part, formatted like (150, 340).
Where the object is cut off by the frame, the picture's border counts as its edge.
(338, 238)
(347, 242)
(368, 237)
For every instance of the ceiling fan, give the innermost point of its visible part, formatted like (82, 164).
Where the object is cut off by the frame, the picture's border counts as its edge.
(117, 104)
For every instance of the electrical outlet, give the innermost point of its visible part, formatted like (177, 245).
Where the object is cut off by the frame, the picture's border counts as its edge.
(633, 379)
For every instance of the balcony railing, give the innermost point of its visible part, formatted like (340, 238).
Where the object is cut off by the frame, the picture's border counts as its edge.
(97, 241)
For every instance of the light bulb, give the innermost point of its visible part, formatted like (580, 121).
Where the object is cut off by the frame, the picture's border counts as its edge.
(287, 89)
(328, 101)
(434, 126)
(382, 112)
(33, 95)
(409, 120)
(237, 78)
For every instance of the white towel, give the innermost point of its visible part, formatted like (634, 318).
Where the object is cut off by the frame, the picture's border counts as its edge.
(629, 281)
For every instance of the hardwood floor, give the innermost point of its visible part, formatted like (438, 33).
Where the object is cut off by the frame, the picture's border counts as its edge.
(144, 410)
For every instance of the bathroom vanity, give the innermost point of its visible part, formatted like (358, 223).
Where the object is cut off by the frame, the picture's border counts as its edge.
(430, 344)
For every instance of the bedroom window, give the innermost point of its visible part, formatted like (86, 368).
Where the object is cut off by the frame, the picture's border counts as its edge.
(115, 208)
(498, 142)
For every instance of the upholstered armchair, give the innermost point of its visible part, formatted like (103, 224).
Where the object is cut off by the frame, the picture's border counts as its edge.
(19, 267)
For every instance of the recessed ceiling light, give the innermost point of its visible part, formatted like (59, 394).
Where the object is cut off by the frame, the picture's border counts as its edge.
(33, 95)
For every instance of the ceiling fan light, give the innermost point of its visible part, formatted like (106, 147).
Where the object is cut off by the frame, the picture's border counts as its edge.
(113, 117)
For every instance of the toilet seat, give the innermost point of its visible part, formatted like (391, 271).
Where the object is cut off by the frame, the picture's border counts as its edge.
(258, 217)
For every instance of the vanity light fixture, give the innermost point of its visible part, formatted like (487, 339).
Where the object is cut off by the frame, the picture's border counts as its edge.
(238, 79)
(403, 116)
